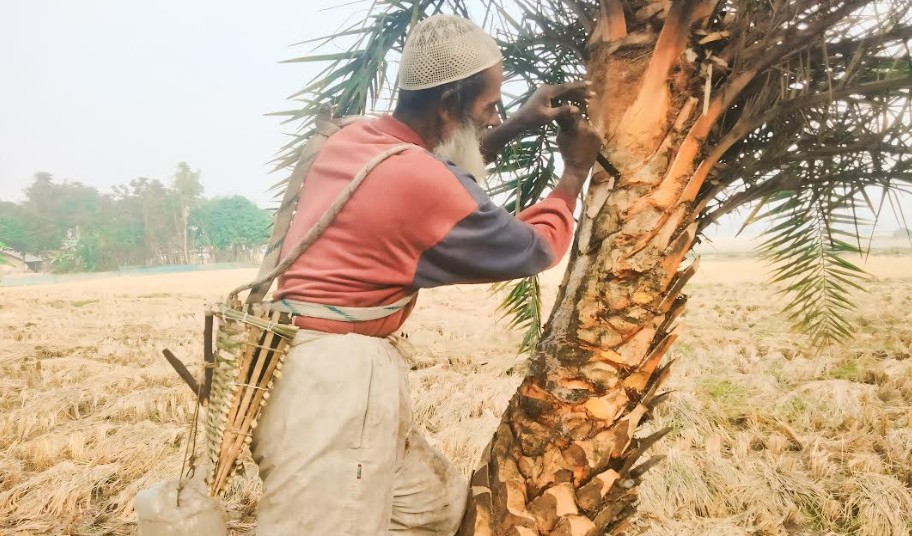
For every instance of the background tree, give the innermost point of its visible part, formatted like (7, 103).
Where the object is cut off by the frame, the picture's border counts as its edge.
(187, 188)
(73, 255)
(233, 226)
(52, 208)
(160, 209)
(139, 223)
(129, 217)
(798, 108)
(12, 230)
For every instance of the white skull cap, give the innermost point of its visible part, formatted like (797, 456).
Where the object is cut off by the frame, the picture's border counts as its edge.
(443, 49)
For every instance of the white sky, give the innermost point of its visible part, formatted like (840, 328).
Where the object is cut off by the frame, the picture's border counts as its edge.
(105, 91)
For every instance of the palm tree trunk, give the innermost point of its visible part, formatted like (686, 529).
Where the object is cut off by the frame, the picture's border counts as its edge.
(563, 460)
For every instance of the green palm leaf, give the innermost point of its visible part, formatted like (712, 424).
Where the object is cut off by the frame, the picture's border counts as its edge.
(809, 261)
(522, 304)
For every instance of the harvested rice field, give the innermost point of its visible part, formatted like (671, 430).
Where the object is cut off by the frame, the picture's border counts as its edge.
(767, 439)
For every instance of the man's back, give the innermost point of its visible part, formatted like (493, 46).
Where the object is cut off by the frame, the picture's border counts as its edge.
(415, 222)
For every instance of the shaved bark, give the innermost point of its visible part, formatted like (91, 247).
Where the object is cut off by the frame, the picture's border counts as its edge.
(565, 459)
(610, 26)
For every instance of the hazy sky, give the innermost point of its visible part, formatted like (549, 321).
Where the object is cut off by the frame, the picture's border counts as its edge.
(104, 91)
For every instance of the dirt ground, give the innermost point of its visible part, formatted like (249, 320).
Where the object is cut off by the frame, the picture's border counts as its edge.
(768, 438)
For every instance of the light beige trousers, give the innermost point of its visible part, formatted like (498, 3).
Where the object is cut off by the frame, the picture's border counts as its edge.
(337, 452)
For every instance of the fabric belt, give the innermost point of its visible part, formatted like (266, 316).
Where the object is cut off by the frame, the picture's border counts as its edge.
(339, 312)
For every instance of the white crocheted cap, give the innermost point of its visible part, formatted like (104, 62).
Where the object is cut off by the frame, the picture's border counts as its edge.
(443, 49)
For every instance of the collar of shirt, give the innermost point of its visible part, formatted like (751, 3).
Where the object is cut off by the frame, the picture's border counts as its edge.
(392, 126)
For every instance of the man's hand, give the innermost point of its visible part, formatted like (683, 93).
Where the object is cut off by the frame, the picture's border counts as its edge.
(579, 146)
(561, 103)
(548, 103)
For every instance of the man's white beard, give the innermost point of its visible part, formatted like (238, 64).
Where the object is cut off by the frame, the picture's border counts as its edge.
(463, 148)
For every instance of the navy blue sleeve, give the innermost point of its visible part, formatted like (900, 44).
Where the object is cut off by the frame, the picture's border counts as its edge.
(488, 245)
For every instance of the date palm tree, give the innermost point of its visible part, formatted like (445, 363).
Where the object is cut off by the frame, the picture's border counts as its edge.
(799, 109)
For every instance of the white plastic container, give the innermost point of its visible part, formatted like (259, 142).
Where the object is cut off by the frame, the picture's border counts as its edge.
(197, 515)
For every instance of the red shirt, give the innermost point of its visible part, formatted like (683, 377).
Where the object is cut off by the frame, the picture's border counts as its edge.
(415, 222)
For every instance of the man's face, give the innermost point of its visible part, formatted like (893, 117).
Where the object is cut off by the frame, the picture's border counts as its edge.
(484, 110)
(460, 141)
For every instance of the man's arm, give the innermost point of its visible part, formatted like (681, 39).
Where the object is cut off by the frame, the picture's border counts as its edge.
(548, 103)
(489, 244)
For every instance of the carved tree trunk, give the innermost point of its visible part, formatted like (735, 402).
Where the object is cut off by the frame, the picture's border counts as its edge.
(563, 461)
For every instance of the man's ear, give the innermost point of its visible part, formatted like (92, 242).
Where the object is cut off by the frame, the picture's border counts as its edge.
(446, 116)
(448, 113)
(448, 106)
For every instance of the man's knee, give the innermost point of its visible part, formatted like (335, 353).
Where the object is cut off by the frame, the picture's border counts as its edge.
(431, 495)
(438, 514)
(456, 495)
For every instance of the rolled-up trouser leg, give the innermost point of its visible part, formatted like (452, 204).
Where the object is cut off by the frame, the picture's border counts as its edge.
(429, 493)
(332, 450)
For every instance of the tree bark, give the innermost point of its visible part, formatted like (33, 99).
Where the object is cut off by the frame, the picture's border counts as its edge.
(564, 459)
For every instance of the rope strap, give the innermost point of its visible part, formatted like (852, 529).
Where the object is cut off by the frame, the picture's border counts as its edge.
(325, 220)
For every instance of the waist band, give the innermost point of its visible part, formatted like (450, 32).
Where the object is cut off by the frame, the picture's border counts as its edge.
(339, 312)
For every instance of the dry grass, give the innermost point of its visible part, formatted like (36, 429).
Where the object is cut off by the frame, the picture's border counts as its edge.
(766, 439)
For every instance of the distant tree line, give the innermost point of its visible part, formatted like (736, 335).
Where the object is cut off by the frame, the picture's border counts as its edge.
(144, 222)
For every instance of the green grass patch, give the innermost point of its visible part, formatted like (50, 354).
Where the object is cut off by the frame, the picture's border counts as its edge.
(846, 369)
(82, 303)
(683, 347)
(725, 392)
(860, 369)
(793, 409)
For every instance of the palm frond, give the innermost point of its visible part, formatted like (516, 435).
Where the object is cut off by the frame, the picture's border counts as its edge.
(809, 237)
(523, 306)
(812, 140)
(838, 108)
(524, 171)
(353, 80)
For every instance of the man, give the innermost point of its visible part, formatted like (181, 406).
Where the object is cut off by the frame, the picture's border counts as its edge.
(336, 446)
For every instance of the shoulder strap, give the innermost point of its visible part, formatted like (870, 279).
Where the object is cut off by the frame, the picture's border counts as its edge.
(325, 127)
(265, 281)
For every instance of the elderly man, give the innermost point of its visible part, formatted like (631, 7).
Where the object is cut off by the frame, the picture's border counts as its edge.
(336, 446)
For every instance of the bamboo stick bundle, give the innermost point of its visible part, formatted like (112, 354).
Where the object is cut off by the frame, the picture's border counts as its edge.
(250, 349)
